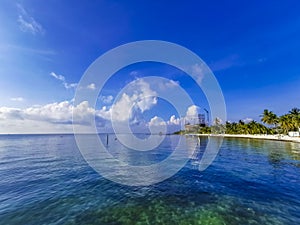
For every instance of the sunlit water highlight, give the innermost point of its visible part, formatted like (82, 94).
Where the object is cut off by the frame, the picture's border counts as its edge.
(45, 180)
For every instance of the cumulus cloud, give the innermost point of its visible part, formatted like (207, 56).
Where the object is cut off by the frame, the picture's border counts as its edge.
(57, 112)
(58, 117)
(53, 117)
(106, 99)
(54, 112)
(27, 23)
(192, 114)
(63, 80)
(247, 120)
(174, 121)
(91, 86)
(192, 111)
(138, 98)
(10, 113)
(157, 121)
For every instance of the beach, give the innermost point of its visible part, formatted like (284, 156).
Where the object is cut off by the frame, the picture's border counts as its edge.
(256, 136)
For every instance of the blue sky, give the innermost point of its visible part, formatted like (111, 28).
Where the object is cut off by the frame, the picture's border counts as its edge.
(45, 47)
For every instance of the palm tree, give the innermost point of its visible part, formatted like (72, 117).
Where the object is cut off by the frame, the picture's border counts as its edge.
(285, 123)
(270, 118)
(295, 111)
(231, 128)
(255, 128)
(243, 128)
(218, 127)
(295, 118)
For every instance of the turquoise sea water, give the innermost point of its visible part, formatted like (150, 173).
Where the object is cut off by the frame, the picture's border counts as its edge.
(45, 180)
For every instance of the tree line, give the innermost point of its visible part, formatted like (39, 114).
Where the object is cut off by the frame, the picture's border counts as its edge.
(273, 124)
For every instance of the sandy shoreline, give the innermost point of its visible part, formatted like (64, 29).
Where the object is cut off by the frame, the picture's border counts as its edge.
(257, 136)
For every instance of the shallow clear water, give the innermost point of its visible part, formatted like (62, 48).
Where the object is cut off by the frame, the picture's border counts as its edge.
(45, 180)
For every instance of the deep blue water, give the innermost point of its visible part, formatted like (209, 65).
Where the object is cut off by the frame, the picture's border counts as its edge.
(45, 180)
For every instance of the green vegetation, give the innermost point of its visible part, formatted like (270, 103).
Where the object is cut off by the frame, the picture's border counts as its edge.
(269, 118)
(274, 125)
(285, 123)
(252, 127)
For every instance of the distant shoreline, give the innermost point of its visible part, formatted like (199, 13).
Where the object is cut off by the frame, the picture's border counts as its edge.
(276, 137)
(254, 136)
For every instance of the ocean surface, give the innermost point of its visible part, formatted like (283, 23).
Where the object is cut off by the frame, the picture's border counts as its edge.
(45, 180)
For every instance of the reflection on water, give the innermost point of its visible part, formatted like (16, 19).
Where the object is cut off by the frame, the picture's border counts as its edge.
(44, 180)
(277, 151)
(293, 149)
(275, 158)
(136, 167)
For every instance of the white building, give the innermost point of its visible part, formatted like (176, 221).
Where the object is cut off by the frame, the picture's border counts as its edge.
(294, 133)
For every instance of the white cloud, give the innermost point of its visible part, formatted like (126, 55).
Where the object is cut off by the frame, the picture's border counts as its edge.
(58, 77)
(63, 80)
(17, 99)
(247, 120)
(136, 99)
(166, 86)
(10, 113)
(197, 72)
(157, 121)
(192, 114)
(174, 121)
(122, 110)
(106, 99)
(139, 98)
(54, 117)
(192, 111)
(27, 23)
(172, 84)
(57, 112)
(30, 25)
(104, 113)
(58, 117)
(68, 86)
(54, 112)
(157, 124)
(91, 86)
